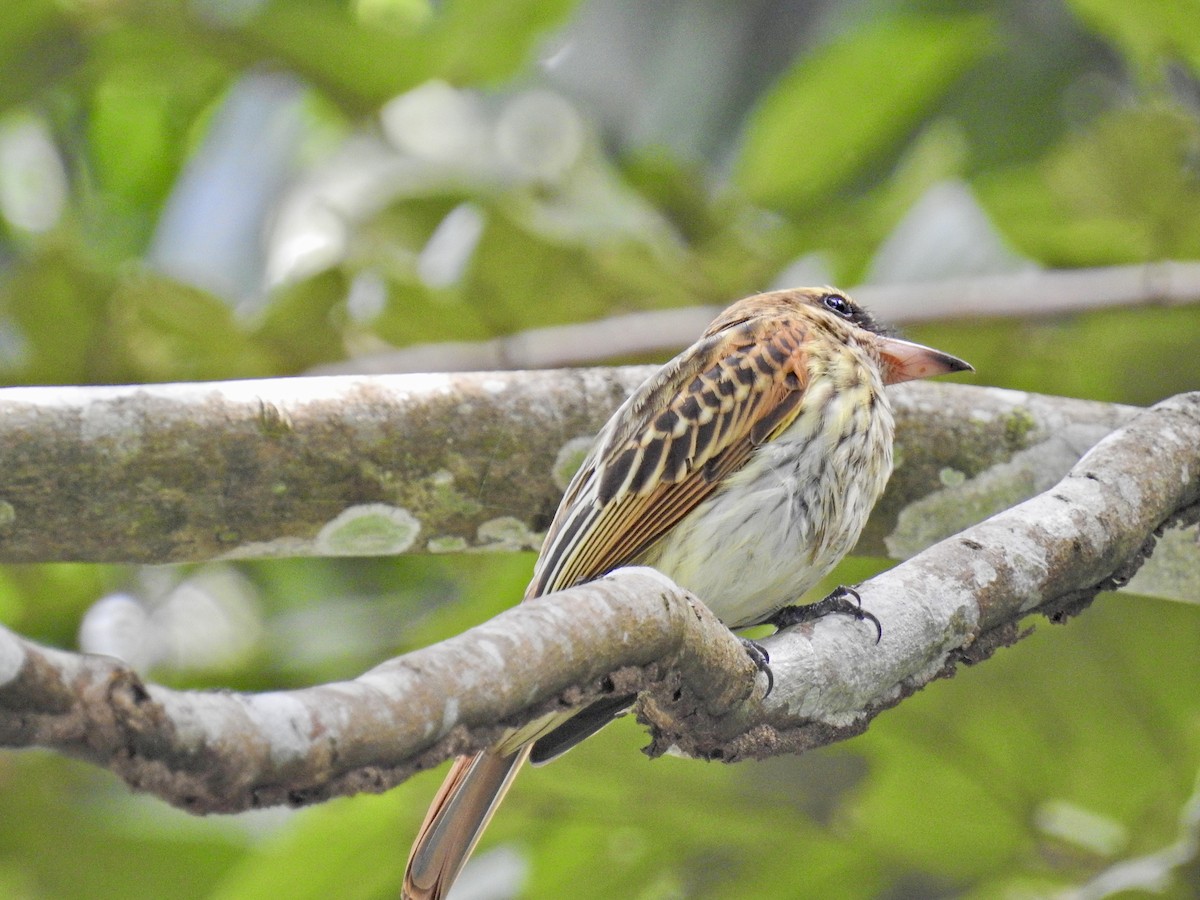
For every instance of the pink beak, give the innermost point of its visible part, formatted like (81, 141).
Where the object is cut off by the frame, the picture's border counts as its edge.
(906, 361)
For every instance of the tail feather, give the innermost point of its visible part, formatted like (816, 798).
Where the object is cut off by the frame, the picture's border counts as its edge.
(461, 810)
(551, 743)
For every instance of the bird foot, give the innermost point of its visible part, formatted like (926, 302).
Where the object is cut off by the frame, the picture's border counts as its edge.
(839, 601)
(762, 661)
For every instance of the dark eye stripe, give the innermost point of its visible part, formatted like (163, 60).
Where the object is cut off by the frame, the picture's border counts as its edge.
(851, 312)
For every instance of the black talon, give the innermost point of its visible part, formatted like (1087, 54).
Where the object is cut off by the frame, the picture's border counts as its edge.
(838, 601)
(762, 661)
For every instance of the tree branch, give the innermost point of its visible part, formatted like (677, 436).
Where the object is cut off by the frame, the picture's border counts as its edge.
(958, 601)
(224, 752)
(1035, 292)
(367, 466)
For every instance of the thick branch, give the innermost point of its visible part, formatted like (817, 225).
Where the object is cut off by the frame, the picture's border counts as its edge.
(363, 466)
(290, 467)
(957, 601)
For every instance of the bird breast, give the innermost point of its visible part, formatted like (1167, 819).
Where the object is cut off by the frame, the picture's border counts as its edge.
(780, 524)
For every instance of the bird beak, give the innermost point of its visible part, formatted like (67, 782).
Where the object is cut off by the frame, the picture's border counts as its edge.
(906, 361)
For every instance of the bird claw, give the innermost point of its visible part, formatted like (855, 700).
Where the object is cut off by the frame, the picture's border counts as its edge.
(838, 601)
(762, 661)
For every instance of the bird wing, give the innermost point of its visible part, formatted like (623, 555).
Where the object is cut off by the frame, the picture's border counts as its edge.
(673, 442)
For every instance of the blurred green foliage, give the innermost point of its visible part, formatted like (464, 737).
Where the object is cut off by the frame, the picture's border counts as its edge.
(841, 109)
(1074, 125)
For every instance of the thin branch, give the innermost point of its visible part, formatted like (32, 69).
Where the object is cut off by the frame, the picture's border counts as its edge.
(959, 600)
(1029, 293)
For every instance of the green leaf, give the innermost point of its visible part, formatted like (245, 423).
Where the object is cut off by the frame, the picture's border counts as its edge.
(1126, 190)
(1148, 34)
(349, 849)
(842, 108)
(56, 304)
(300, 324)
(481, 41)
(111, 844)
(364, 62)
(171, 332)
(38, 49)
(151, 89)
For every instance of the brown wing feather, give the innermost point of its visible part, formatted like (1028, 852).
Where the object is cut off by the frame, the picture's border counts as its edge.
(741, 385)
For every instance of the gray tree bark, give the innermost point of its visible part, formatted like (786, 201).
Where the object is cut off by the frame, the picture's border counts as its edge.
(634, 630)
(441, 463)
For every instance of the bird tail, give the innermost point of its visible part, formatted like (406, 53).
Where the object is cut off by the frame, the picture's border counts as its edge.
(461, 810)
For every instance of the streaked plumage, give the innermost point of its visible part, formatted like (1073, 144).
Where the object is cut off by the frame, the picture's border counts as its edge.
(744, 470)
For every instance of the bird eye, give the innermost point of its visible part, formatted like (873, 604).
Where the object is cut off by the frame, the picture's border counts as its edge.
(836, 303)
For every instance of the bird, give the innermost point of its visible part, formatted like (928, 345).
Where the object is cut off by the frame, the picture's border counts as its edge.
(744, 469)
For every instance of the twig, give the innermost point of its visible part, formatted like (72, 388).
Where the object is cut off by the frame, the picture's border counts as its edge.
(1031, 293)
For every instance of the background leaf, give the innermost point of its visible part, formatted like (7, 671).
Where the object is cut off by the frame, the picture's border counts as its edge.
(840, 108)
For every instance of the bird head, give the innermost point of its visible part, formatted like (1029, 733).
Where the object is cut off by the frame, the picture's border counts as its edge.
(831, 309)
